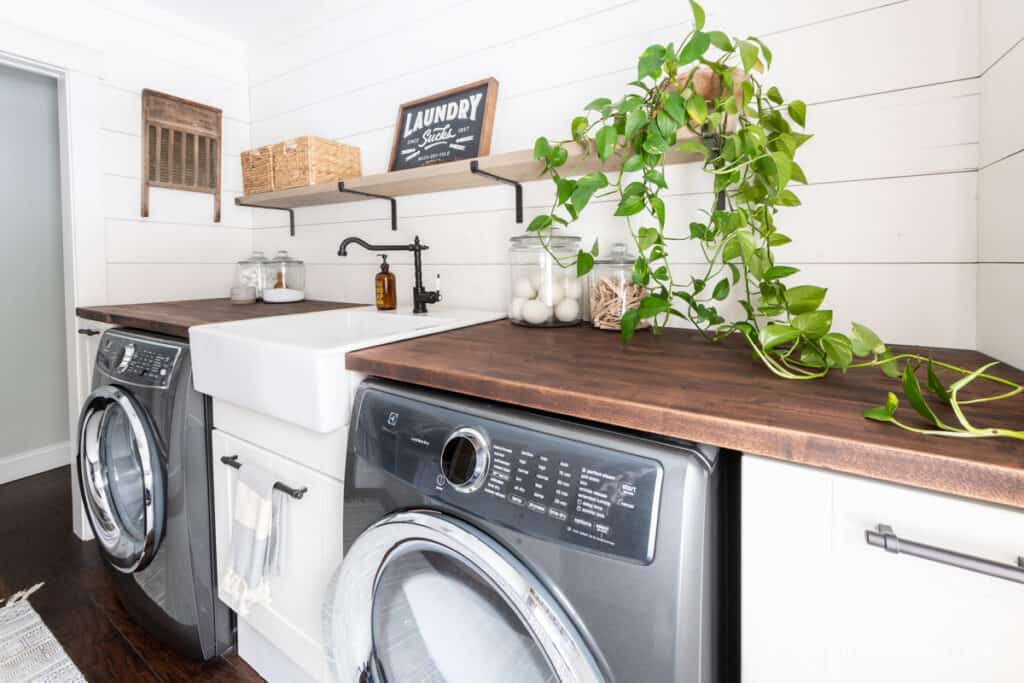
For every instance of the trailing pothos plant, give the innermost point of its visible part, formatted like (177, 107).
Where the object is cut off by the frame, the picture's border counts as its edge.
(706, 96)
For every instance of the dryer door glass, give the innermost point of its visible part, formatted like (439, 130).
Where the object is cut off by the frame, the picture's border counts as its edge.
(436, 619)
(422, 596)
(121, 477)
(119, 458)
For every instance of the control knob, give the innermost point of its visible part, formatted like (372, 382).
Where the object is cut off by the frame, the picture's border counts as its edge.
(465, 460)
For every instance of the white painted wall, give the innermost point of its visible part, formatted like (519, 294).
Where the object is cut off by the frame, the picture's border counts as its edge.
(889, 220)
(1000, 211)
(178, 252)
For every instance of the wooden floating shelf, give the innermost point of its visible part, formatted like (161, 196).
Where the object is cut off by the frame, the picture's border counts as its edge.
(517, 166)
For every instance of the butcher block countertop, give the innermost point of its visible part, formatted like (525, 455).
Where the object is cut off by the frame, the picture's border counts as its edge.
(678, 385)
(175, 317)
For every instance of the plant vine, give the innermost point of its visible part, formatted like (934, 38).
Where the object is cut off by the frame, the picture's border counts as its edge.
(707, 97)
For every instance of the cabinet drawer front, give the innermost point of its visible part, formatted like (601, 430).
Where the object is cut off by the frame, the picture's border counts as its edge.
(312, 548)
(324, 453)
(927, 620)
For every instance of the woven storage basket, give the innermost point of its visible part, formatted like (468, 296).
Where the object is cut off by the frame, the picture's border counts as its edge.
(258, 170)
(309, 160)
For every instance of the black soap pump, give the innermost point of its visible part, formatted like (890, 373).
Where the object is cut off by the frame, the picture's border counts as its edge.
(384, 284)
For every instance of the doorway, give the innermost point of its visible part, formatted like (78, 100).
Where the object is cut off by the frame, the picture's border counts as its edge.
(34, 413)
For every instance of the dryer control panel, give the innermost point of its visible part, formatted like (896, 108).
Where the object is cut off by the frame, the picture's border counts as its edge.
(538, 482)
(142, 362)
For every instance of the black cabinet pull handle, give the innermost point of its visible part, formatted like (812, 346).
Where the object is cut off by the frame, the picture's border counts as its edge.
(884, 537)
(297, 494)
(88, 332)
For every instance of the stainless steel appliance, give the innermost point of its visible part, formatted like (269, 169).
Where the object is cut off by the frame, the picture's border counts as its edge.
(144, 472)
(487, 543)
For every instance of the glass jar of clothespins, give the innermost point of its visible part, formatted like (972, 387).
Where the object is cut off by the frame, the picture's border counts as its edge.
(612, 290)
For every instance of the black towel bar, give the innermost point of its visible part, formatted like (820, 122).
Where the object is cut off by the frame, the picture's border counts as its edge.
(297, 494)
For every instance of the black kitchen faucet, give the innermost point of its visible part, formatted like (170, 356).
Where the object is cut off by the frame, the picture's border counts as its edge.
(420, 295)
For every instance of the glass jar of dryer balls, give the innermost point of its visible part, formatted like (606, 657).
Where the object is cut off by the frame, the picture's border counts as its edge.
(252, 272)
(542, 293)
(612, 290)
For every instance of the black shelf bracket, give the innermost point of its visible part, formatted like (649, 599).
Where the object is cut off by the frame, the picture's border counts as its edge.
(474, 166)
(291, 212)
(394, 203)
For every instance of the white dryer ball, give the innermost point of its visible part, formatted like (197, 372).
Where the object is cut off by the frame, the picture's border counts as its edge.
(573, 288)
(522, 289)
(536, 312)
(536, 278)
(551, 293)
(515, 309)
(568, 310)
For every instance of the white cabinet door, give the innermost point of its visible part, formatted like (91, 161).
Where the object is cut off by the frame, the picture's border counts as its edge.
(901, 618)
(292, 622)
(784, 572)
(820, 604)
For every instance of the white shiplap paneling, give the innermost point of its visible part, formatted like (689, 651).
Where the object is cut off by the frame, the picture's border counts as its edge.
(139, 47)
(131, 283)
(1000, 302)
(1001, 24)
(889, 219)
(1002, 103)
(1000, 213)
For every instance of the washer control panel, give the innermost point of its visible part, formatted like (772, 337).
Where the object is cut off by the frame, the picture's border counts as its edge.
(538, 483)
(137, 361)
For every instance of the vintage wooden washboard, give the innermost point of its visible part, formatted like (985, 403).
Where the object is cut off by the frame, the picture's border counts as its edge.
(181, 147)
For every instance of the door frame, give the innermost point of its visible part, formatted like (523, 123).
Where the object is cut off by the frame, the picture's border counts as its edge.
(78, 71)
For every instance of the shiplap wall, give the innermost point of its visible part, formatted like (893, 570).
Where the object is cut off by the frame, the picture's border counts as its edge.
(889, 220)
(178, 252)
(1000, 179)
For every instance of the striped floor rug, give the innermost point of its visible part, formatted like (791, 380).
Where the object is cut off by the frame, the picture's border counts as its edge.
(28, 651)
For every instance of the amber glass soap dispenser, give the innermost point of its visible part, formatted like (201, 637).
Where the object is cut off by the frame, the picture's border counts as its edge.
(385, 286)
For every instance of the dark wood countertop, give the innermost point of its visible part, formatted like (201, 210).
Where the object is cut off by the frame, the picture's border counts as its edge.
(175, 317)
(678, 385)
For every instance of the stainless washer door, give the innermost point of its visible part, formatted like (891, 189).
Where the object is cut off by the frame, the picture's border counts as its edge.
(121, 475)
(422, 596)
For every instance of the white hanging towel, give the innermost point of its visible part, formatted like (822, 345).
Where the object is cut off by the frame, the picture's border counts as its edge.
(256, 549)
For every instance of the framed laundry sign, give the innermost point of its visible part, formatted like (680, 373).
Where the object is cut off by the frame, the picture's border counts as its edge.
(452, 125)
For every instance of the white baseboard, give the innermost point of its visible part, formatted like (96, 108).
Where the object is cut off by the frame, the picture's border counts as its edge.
(27, 463)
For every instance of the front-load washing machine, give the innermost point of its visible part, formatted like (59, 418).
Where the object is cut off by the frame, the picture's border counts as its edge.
(144, 474)
(485, 543)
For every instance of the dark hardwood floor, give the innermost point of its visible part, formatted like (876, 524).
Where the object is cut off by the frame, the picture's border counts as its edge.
(78, 602)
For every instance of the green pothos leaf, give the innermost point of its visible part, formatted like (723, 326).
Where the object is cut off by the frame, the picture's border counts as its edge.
(884, 413)
(912, 390)
(698, 15)
(584, 263)
(935, 385)
(629, 322)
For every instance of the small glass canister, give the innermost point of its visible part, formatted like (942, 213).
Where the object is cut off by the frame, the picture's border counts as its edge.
(251, 272)
(612, 290)
(286, 279)
(543, 293)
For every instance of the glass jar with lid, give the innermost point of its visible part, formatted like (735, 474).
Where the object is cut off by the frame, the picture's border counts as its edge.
(251, 272)
(286, 279)
(612, 290)
(543, 292)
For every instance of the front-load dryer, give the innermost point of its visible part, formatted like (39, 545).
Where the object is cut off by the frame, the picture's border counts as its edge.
(485, 543)
(144, 473)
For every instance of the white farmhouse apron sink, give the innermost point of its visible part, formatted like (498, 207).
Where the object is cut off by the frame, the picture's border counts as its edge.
(292, 367)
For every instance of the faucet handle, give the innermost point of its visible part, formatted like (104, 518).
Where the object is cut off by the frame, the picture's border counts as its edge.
(437, 284)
